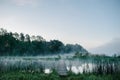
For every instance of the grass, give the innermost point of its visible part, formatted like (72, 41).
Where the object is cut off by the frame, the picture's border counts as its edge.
(103, 71)
(17, 75)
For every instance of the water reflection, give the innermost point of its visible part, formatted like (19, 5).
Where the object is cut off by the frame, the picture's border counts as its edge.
(47, 71)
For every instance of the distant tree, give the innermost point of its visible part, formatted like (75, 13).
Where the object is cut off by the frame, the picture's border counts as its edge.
(68, 48)
(22, 38)
(27, 38)
(16, 35)
(55, 46)
(7, 43)
(20, 44)
(32, 38)
(39, 38)
(78, 54)
(3, 31)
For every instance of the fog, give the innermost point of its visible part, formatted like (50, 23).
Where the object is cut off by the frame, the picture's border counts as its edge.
(110, 48)
(47, 64)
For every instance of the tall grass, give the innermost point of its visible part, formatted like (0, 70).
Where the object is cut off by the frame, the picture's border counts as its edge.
(13, 69)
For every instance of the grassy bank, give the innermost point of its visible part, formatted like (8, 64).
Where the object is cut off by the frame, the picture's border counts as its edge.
(17, 75)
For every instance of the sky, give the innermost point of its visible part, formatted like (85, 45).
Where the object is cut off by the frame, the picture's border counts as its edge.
(89, 23)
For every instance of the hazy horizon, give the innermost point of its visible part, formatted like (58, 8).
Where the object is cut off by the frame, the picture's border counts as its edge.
(90, 23)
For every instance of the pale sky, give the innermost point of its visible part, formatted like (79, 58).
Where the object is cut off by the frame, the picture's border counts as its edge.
(87, 22)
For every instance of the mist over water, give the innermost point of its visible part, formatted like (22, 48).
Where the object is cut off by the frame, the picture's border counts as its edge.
(48, 64)
(110, 48)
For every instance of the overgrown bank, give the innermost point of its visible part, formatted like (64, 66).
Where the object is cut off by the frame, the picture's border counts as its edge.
(17, 75)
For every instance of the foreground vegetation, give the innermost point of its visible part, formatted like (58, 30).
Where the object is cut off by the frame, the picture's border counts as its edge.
(17, 75)
(107, 68)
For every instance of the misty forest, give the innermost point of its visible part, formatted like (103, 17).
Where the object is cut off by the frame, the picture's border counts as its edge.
(26, 57)
(14, 44)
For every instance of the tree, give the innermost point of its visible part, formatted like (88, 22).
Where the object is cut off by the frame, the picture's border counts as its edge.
(27, 38)
(39, 38)
(18, 44)
(22, 38)
(16, 35)
(32, 38)
(55, 46)
(3, 31)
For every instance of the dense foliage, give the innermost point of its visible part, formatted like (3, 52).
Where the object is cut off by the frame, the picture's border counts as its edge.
(23, 44)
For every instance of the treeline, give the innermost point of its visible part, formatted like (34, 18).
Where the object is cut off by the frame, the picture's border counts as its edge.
(15, 44)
